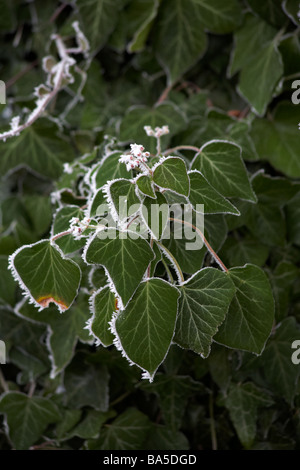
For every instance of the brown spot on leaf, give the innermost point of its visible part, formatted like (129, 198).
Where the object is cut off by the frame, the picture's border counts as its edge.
(45, 301)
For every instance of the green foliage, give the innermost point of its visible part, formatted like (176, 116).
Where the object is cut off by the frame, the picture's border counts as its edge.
(139, 104)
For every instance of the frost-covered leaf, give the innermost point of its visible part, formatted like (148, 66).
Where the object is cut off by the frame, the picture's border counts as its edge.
(250, 317)
(204, 302)
(103, 305)
(125, 258)
(201, 192)
(221, 164)
(25, 150)
(61, 223)
(121, 193)
(45, 275)
(171, 174)
(146, 327)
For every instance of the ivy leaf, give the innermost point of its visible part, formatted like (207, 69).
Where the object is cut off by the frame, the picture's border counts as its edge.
(201, 192)
(86, 385)
(127, 432)
(259, 62)
(277, 140)
(156, 214)
(97, 20)
(103, 305)
(63, 330)
(27, 417)
(221, 164)
(145, 185)
(178, 48)
(121, 193)
(61, 223)
(251, 314)
(173, 393)
(247, 250)
(26, 149)
(243, 402)
(280, 372)
(164, 438)
(282, 279)
(204, 302)
(171, 174)
(132, 125)
(145, 328)
(125, 259)
(45, 275)
(109, 169)
(7, 286)
(220, 17)
(145, 13)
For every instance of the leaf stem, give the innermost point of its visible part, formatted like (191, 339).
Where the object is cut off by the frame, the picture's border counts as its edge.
(208, 246)
(181, 147)
(169, 254)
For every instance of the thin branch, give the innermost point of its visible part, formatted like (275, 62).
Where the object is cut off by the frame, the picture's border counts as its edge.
(164, 94)
(181, 147)
(169, 254)
(208, 246)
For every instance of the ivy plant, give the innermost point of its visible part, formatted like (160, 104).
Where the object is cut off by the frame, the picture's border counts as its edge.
(150, 230)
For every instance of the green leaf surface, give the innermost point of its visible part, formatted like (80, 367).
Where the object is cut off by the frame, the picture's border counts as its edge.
(61, 223)
(126, 259)
(282, 280)
(201, 192)
(109, 169)
(280, 372)
(86, 385)
(243, 402)
(103, 305)
(155, 213)
(250, 317)
(121, 193)
(63, 330)
(27, 417)
(277, 139)
(171, 174)
(145, 185)
(98, 20)
(146, 327)
(220, 17)
(26, 149)
(257, 58)
(180, 39)
(144, 13)
(173, 393)
(45, 275)
(221, 164)
(204, 302)
(127, 432)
